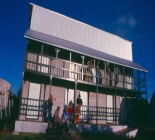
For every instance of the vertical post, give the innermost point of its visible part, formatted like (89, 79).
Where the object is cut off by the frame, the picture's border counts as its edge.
(42, 47)
(96, 104)
(124, 99)
(94, 72)
(145, 86)
(57, 51)
(115, 96)
(67, 95)
(105, 73)
(82, 66)
(88, 105)
(138, 73)
(76, 82)
(51, 76)
(70, 59)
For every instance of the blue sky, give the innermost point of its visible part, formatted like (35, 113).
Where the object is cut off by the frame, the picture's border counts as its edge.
(133, 20)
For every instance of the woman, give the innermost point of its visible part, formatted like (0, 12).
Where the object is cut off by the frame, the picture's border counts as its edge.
(50, 104)
(56, 117)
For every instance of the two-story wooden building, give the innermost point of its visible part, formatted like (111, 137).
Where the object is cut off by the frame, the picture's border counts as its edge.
(58, 49)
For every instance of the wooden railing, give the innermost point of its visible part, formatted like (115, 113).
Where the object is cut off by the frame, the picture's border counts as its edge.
(33, 108)
(71, 70)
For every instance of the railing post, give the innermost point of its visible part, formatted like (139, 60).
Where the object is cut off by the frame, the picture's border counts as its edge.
(145, 86)
(88, 105)
(104, 73)
(94, 72)
(124, 99)
(76, 82)
(70, 59)
(96, 104)
(51, 76)
(82, 65)
(42, 47)
(57, 51)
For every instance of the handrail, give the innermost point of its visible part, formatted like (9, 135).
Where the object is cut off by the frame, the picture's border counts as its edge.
(74, 70)
(87, 112)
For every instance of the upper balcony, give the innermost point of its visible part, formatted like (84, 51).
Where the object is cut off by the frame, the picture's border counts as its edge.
(74, 66)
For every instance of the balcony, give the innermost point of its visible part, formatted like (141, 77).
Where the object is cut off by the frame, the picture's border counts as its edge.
(68, 70)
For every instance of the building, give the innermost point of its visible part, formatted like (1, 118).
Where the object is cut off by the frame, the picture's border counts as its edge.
(56, 62)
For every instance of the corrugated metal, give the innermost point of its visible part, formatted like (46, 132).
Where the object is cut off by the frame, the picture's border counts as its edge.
(80, 49)
(55, 24)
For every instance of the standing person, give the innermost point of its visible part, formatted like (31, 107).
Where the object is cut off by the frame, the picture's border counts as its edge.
(117, 71)
(79, 103)
(107, 73)
(97, 71)
(49, 106)
(88, 72)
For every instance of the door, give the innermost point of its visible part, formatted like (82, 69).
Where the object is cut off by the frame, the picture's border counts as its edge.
(110, 109)
(34, 93)
(84, 108)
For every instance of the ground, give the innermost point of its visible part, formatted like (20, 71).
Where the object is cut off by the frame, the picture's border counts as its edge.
(59, 136)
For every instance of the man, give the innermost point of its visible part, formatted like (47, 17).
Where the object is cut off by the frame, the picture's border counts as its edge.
(79, 103)
(117, 71)
(97, 71)
(107, 73)
(65, 118)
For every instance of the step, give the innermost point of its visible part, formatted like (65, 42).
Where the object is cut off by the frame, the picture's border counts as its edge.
(127, 132)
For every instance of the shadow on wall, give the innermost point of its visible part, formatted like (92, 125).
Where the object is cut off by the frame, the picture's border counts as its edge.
(141, 112)
(129, 113)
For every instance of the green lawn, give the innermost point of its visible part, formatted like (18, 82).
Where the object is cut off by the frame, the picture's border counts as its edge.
(64, 136)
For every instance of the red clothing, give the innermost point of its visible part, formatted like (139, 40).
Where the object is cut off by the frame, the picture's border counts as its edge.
(77, 117)
(70, 110)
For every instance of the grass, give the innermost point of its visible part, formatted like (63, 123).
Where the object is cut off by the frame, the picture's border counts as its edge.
(58, 136)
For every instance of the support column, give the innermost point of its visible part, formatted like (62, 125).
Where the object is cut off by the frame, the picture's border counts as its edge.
(94, 72)
(76, 82)
(115, 96)
(57, 51)
(82, 66)
(51, 76)
(96, 104)
(88, 104)
(104, 73)
(145, 86)
(124, 99)
(70, 59)
(42, 47)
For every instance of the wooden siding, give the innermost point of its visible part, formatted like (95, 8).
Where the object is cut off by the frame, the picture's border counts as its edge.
(57, 25)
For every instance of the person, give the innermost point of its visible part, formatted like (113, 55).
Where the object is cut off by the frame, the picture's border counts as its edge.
(97, 71)
(49, 106)
(70, 110)
(79, 103)
(117, 71)
(56, 118)
(65, 118)
(88, 72)
(107, 73)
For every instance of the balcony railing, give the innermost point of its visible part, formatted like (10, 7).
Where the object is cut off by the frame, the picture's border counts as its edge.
(66, 69)
(33, 108)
